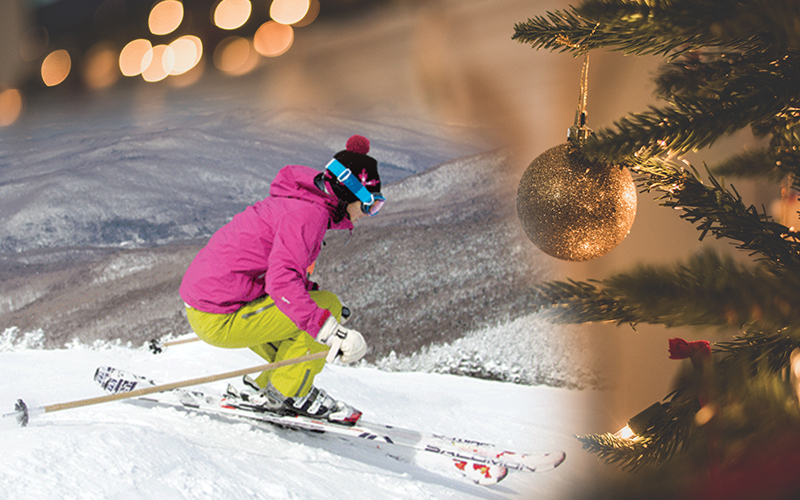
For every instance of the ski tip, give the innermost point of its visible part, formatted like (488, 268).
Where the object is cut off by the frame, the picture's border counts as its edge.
(556, 458)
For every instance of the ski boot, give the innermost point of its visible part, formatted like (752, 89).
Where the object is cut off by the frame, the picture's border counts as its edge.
(316, 404)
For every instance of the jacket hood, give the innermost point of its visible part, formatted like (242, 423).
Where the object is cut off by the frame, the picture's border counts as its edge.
(297, 182)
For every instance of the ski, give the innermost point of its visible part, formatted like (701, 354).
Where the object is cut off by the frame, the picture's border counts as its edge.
(481, 462)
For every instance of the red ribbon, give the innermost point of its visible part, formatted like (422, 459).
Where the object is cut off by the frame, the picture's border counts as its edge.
(680, 349)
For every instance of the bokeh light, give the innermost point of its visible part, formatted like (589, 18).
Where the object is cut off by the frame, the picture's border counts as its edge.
(311, 15)
(165, 17)
(33, 43)
(134, 57)
(232, 14)
(161, 64)
(235, 56)
(11, 105)
(190, 77)
(56, 67)
(273, 39)
(187, 50)
(100, 69)
(288, 11)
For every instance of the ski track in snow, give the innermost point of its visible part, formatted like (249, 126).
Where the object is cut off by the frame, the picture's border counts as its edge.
(123, 450)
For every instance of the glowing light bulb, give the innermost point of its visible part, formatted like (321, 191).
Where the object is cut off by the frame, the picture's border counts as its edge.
(625, 433)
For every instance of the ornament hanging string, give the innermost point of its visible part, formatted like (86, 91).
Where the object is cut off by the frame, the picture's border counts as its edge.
(584, 91)
(580, 131)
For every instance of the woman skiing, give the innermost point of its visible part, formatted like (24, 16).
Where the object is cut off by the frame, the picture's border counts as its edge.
(249, 286)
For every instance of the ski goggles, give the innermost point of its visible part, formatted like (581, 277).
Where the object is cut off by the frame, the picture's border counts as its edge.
(371, 202)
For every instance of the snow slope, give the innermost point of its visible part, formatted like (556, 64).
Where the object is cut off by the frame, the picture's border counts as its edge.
(122, 450)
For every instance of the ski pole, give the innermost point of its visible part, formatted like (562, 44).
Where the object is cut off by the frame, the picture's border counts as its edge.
(156, 346)
(23, 413)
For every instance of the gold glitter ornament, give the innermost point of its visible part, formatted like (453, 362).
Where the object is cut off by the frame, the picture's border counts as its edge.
(575, 209)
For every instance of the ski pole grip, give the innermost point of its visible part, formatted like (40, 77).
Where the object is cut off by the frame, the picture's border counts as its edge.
(336, 344)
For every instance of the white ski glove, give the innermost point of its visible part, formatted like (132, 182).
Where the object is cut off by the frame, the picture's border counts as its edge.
(349, 343)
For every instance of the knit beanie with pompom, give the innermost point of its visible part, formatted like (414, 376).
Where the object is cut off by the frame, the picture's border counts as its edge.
(362, 166)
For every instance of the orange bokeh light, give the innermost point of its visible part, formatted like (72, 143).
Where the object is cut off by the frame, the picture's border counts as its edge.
(235, 55)
(273, 39)
(311, 15)
(162, 63)
(134, 57)
(33, 43)
(11, 105)
(288, 11)
(190, 77)
(187, 50)
(232, 14)
(56, 67)
(100, 69)
(165, 17)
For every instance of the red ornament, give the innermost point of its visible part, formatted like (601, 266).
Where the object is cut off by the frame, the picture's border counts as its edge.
(358, 144)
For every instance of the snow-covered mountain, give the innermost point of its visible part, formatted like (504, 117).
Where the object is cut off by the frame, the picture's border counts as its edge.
(445, 260)
(180, 175)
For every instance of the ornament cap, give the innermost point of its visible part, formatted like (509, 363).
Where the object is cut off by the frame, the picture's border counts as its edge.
(578, 133)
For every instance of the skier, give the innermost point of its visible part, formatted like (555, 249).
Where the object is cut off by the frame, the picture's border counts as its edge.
(249, 286)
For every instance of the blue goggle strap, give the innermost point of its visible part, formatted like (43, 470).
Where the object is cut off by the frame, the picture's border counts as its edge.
(346, 177)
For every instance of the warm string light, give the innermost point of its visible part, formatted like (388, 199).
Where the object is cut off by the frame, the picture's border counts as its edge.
(794, 371)
(790, 204)
(639, 423)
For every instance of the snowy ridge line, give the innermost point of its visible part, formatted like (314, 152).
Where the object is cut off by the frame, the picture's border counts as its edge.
(469, 457)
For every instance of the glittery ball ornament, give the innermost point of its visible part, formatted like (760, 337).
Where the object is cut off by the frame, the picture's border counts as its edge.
(575, 209)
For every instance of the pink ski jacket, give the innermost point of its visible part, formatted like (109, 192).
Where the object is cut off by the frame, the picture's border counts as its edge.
(266, 250)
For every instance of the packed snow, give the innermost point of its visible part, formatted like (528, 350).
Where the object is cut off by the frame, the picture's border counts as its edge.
(124, 450)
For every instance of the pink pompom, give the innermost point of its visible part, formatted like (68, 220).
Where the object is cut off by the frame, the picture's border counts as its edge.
(358, 144)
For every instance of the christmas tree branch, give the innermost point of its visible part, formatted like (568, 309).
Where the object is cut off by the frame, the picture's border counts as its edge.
(721, 212)
(668, 433)
(757, 346)
(758, 164)
(745, 398)
(688, 124)
(707, 291)
(710, 102)
(711, 93)
(664, 27)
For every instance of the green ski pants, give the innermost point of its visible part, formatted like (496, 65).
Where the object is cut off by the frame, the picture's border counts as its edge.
(262, 327)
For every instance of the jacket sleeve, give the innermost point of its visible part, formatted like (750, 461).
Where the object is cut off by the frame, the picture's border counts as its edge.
(297, 242)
